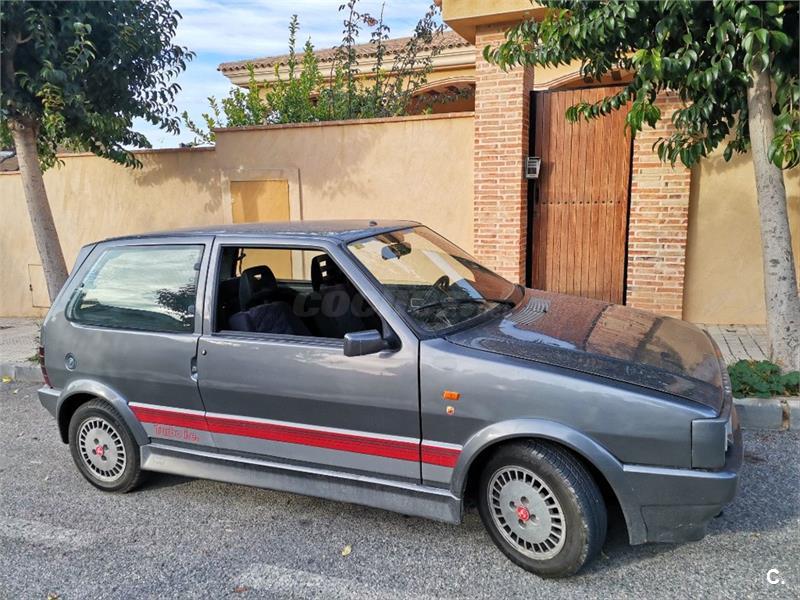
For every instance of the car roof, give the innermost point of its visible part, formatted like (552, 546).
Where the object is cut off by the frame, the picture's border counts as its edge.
(342, 230)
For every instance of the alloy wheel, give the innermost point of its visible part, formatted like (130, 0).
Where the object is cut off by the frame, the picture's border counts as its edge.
(526, 512)
(101, 448)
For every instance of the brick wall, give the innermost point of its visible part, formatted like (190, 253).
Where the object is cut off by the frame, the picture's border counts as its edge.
(659, 217)
(502, 108)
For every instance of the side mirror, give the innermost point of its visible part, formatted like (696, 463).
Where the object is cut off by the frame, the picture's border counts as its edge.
(359, 343)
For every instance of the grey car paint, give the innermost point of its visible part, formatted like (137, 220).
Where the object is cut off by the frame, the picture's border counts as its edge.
(494, 389)
(643, 422)
(308, 381)
(139, 366)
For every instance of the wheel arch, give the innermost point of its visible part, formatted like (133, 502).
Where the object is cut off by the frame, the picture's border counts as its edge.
(600, 463)
(80, 391)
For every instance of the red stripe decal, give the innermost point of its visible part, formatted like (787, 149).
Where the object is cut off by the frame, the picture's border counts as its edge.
(311, 437)
(437, 455)
(332, 440)
(169, 417)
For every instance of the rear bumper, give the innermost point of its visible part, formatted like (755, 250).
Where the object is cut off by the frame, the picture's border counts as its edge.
(49, 398)
(677, 504)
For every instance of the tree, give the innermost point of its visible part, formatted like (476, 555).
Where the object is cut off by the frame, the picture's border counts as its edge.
(734, 65)
(75, 75)
(303, 95)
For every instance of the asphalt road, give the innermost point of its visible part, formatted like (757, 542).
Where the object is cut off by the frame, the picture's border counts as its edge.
(184, 538)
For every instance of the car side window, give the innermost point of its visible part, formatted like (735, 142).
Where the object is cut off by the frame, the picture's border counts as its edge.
(150, 288)
(288, 291)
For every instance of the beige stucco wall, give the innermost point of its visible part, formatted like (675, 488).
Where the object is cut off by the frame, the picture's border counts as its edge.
(92, 198)
(724, 277)
(417, 168)
(411, 168)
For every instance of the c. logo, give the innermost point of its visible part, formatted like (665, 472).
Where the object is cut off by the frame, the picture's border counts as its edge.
(774, 577)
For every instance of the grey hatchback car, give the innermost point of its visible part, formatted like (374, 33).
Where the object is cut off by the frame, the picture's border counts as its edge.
(377, 363)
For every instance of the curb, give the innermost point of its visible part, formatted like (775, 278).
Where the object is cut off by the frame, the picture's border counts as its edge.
(768, 413)
(21, 372)
(754, 413)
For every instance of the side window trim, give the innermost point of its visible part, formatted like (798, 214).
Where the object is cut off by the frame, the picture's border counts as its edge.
(100, 249)
(212, 287)
(304, 340)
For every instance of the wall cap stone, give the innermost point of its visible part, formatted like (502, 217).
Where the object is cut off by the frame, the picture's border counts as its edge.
(344, 122)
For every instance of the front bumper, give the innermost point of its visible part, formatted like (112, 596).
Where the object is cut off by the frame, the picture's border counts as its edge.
(677, 504)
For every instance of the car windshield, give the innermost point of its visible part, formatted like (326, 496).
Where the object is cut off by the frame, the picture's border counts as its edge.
(433, 281)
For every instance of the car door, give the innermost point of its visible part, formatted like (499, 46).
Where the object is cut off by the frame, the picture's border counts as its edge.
(299, 399)
(131, 325)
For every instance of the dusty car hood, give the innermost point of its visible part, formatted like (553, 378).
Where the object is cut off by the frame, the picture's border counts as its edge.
(608, 340)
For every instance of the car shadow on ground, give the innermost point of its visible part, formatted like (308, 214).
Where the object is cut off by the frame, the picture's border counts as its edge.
(159, 481)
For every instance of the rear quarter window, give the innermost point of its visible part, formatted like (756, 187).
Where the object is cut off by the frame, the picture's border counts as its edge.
(151, 288)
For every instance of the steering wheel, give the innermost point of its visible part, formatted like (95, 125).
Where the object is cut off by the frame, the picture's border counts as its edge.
(439, 286)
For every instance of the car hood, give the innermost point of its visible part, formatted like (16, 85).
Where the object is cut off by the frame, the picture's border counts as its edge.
(616, 342)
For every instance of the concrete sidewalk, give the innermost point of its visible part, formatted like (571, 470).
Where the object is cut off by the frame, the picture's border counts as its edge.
(740, 342)
(19, 340)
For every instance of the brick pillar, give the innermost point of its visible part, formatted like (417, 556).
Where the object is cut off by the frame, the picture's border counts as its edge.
(502, 109)
(659, 219)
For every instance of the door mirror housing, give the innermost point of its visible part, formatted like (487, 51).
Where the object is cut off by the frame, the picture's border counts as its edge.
(359, 343)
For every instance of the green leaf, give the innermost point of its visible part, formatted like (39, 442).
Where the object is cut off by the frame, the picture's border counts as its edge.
(656, 62)
(747, 42)
(780, 39)
(727, 64)
(774, 8)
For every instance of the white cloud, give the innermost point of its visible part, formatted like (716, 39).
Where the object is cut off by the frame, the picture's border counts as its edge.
(248, 29)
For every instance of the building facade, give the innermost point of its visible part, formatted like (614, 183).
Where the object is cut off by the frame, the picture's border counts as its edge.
(604, 218)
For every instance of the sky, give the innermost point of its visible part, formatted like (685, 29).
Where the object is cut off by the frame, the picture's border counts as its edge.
(219, 31)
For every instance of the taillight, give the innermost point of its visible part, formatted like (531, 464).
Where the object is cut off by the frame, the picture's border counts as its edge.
(44, 369)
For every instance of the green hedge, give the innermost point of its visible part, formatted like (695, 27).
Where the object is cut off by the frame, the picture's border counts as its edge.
(762, 379)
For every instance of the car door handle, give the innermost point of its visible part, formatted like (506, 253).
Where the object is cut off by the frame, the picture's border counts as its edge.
(193, 368)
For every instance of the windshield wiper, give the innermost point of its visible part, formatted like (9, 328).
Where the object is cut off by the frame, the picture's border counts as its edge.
(456, 301)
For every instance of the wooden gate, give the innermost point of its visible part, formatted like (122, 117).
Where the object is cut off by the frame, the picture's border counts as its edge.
(580, 215)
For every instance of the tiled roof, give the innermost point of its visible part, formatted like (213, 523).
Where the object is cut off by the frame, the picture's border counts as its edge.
(448, 39)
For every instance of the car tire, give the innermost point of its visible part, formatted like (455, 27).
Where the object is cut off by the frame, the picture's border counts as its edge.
(542, 508)
(103, 448)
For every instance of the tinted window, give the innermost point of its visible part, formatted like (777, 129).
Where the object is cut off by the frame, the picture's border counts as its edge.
(140, 287)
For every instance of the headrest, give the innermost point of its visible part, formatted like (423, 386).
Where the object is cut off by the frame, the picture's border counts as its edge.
(255, 285)
(325, 272)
